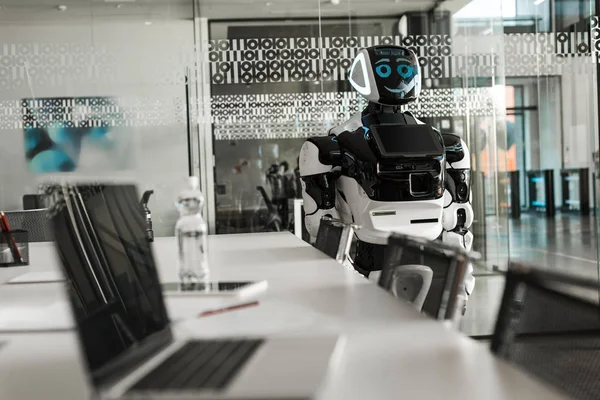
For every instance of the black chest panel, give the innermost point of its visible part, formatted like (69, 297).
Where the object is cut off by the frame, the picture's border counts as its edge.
(402, 178)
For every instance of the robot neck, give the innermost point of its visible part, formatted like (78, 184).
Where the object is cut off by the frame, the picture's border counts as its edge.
(374, 108)
(378, 113)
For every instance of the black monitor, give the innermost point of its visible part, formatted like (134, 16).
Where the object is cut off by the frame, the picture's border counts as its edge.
(397, 140)
(112, 278)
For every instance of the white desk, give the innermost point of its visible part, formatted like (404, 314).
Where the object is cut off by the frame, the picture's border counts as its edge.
(390, 352)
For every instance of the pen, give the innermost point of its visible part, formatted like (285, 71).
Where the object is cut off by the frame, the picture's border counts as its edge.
(12, 244)
(226, 309)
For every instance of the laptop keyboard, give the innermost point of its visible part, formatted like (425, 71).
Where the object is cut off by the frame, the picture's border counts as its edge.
(199, 364)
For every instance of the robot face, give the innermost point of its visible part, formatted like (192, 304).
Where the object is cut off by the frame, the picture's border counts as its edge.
(387, 75)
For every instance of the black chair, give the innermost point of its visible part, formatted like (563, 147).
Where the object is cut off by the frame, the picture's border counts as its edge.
(427, 272)
(334, 238)
(549, 325)
(274, 222)
(33, 202)
(35, 222)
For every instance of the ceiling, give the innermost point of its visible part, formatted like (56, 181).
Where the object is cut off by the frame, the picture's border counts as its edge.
(84, 11)
(267, 9)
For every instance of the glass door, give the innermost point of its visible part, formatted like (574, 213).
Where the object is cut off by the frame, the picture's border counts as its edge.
(551, 103)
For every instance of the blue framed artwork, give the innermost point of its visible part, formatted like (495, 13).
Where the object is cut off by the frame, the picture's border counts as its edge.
(75, 135)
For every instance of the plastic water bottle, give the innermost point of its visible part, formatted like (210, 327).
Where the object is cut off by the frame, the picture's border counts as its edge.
(192, 235)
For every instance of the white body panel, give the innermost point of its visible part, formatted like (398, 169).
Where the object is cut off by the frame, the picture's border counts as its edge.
(309, 161)
(377, 219)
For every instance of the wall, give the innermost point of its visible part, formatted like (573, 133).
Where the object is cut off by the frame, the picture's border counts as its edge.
(579, 116)
(142, 67)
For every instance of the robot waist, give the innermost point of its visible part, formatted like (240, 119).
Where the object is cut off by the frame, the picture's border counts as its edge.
(391, 180)
(416, 218)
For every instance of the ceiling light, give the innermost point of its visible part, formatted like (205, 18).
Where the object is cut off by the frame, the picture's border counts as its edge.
(538, 2)
(119, 5)
(147, 23)
(269, 4)
(335, 2)
(61, 7)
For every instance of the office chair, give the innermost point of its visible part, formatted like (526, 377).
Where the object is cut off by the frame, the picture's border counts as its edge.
(334, 238)
(549, 325)
(35, 222)
(274, 221)
(33, 201)
(428, 274)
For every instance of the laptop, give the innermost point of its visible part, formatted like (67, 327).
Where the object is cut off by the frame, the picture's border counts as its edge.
(127, 341)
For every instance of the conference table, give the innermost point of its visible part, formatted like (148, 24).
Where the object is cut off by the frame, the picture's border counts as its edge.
(389, 350)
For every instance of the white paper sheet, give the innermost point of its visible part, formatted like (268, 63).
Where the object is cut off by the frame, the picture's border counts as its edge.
(56, 316)
(38, 277)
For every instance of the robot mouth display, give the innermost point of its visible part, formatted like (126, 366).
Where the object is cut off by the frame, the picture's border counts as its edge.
(395, 90)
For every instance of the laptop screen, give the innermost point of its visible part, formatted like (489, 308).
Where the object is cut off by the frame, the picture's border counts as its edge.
(329, 237)
(112, 278)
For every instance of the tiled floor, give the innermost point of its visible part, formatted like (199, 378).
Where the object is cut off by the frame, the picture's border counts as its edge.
(567, 243)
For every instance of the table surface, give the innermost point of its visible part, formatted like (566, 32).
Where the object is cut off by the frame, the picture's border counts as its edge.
(390, 350)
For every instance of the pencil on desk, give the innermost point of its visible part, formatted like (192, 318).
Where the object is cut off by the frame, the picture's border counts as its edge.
(226, 309)
(12, 244)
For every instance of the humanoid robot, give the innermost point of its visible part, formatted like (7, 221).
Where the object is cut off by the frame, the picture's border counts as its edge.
(385, 170)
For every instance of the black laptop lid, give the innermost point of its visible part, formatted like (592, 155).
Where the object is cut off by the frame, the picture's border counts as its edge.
(329, 237)
(112, 278)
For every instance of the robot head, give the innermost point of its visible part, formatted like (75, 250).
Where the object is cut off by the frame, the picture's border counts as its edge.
(388, 75)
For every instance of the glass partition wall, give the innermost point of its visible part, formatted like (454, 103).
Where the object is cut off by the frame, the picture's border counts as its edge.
(551, 85)
(97, 88)
(281, 77)
(274, 82)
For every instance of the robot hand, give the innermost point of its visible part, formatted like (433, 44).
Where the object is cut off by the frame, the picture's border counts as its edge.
(313, 220)
(456, 219)
(456, 215)
(462, 239)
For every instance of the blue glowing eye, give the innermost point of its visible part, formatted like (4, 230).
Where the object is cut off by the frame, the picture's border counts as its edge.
(405, 71)
(383, 70)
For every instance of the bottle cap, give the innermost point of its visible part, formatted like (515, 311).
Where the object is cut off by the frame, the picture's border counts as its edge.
(194, 182)
(191, 194)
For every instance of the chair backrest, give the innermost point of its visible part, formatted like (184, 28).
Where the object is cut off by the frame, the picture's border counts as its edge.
(412, 283)
(35, 222)
(445, 298)
(33, 201)
(266, 199)
(549, 325)
(334, 238)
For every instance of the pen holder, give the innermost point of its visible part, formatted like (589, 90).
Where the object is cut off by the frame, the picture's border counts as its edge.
(14, 249)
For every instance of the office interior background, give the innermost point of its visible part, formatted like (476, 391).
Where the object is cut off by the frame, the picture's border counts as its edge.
(227, 88)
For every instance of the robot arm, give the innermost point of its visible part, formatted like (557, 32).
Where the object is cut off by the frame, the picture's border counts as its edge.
(457, 217)
(318, 176)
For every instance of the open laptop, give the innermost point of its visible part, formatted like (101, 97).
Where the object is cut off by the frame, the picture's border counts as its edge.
(122, 323)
